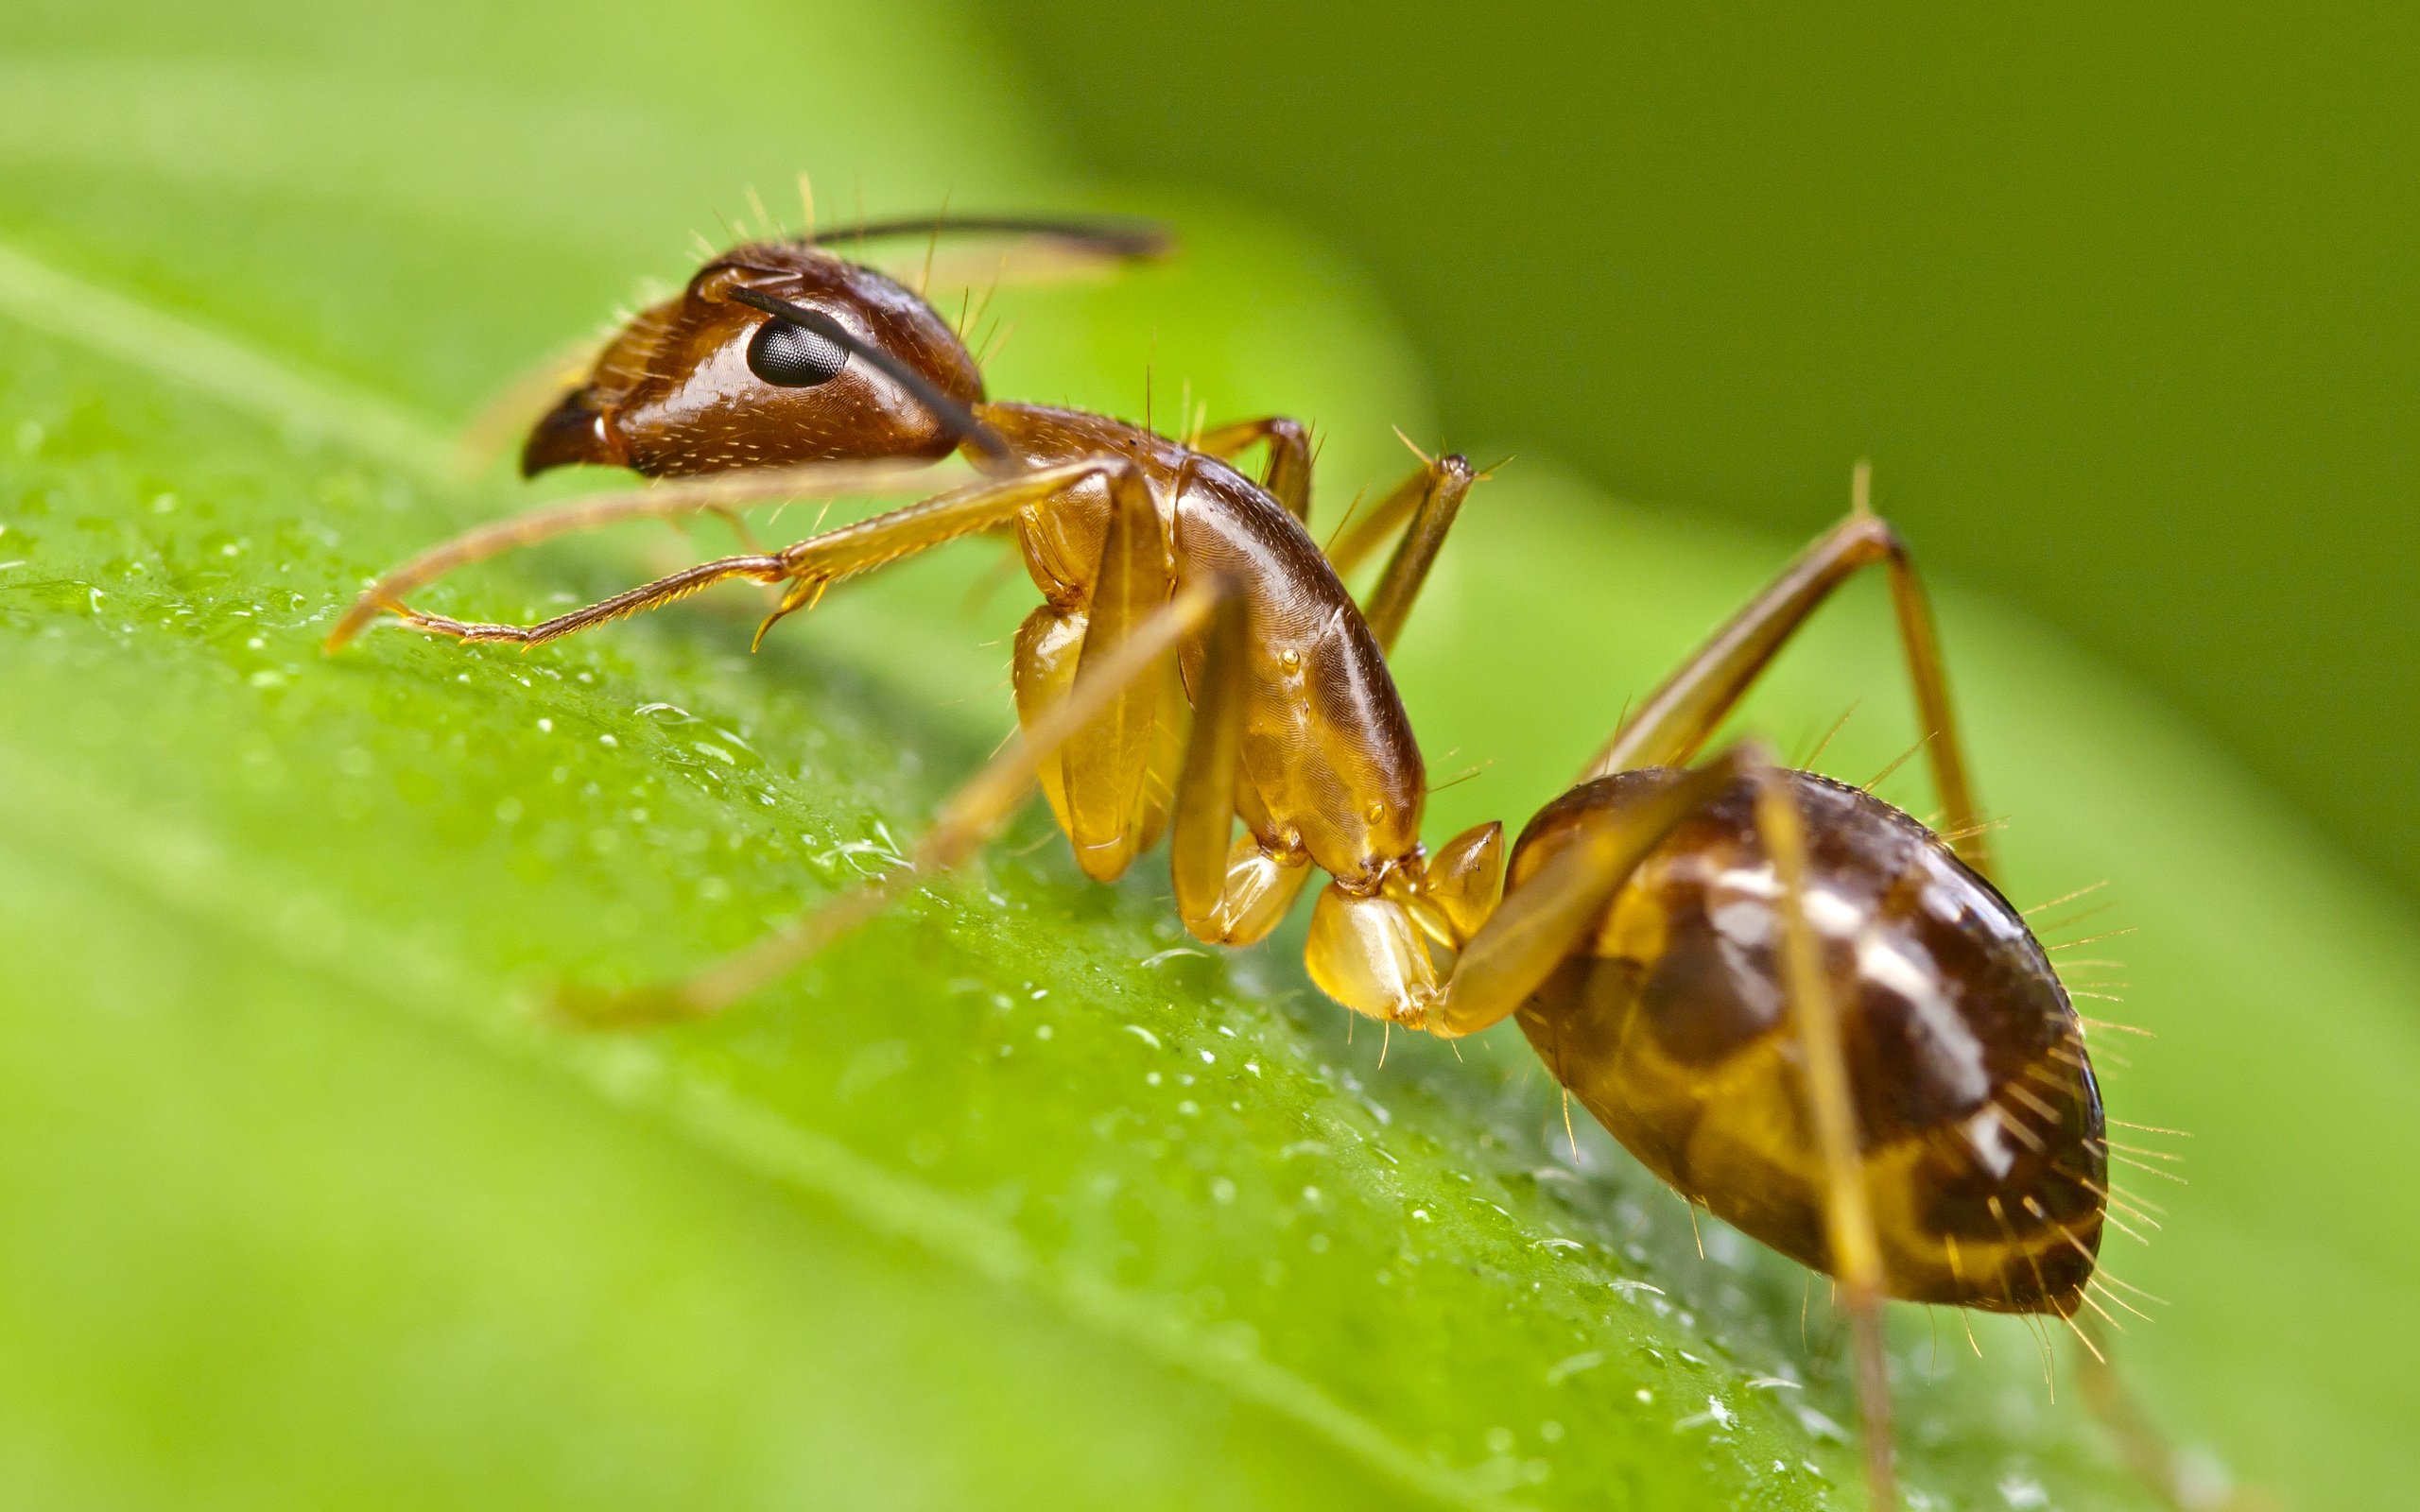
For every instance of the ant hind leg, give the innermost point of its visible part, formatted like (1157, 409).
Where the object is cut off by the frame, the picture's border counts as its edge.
(1677, 720)
(1855, 1249)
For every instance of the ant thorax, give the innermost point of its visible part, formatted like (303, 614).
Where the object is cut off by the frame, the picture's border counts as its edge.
(1978, 1117)
(1323, 717)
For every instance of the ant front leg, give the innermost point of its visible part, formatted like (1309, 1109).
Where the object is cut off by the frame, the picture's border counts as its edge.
(1109, 785)
(809, 566)
(668, 501)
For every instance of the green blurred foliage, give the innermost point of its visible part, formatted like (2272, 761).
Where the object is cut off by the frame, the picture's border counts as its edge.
(1000, 1203)
(2119, 299)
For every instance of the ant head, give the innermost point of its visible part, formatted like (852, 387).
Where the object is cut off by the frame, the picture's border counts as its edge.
(775, 353)
(779, 353)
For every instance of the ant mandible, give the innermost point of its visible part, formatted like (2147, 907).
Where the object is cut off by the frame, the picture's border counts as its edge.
(1798, 1005)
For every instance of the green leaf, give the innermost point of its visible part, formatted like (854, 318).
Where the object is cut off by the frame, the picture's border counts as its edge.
(1014, 1198)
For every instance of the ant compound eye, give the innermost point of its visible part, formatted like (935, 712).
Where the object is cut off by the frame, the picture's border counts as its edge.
(788, 355)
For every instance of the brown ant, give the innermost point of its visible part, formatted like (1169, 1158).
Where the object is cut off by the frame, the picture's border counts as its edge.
(1797, 1005)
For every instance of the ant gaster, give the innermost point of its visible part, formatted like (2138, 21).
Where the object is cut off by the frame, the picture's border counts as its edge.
(1798, 1005)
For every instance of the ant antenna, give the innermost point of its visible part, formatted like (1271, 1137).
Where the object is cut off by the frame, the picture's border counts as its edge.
(1118, 236)
(947, 410)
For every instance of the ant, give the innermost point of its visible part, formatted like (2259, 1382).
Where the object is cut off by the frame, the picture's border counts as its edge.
(1797, 1005)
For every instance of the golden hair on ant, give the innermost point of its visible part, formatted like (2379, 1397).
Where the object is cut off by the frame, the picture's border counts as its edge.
(1794, 1002)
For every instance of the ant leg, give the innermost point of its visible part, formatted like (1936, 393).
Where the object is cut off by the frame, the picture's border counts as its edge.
(809, 566)
(1855, 1252)
(1545, 917)
(668, 501)
(1443, 485)
(666, 589)
(965, 822)
(1288, 477)
(1428, 499)
(1364, 531)
(1675, 722)
(1112, 780)
(1226, 896)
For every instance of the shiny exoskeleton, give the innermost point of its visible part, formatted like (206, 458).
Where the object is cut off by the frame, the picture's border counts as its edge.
(1794, 1002)
(1978, 1118)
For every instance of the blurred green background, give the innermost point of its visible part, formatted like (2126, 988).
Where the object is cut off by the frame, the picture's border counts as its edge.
(2120, 300)
(302, 1205)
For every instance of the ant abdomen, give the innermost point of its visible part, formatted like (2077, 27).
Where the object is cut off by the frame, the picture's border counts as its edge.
(1978, 1120)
